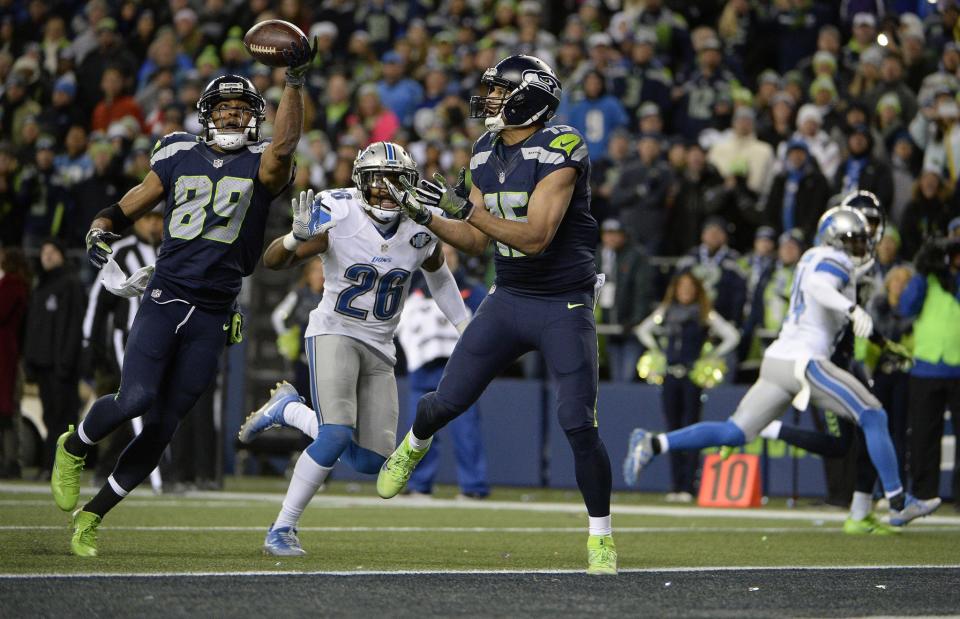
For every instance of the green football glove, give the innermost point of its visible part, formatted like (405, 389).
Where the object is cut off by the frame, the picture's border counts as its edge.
(235, 330)
(288, 343)
(410, 205)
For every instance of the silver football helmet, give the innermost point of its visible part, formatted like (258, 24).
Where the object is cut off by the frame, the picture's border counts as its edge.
(379, 161)
(845, 228)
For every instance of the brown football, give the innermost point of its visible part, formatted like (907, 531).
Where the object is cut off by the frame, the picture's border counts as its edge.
(267, 40)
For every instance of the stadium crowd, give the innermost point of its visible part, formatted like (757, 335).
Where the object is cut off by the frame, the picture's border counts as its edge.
(719, 132)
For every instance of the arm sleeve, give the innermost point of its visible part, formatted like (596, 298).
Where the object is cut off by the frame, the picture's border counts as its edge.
(729, 336)
(278, 317)
(911, 300)
(822, 288)
(644, 331)
(446, 295)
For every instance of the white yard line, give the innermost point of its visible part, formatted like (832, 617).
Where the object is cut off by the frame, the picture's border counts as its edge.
(666, 570)
(577, 530)
(323, 501)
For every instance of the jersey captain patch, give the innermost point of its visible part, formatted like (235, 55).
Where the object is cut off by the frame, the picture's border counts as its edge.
(420, 239)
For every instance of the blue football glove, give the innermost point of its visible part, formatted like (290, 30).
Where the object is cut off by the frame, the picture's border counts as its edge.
(454, 201)
(98, 246)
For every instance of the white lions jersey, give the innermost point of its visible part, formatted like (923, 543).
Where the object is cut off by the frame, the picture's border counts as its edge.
(367, 274)
(811, 330)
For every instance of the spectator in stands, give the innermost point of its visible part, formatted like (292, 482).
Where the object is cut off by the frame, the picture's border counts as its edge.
(605, 172)
(597, 115)
(62, 113)
(715, 265)
(15, 279)
(115, 104)
(819, 145)
(904, 169)
(823, 94)
(290, 317)
(74, 165)
(15, 108)
(401, 94)
(625, 298)
(933, 297)
(704, 99)
(891, 82)
(771, 297)
(647, 80)
(48, 200)
(106, 184)
(679, 328)
(742, 150)
(860, 170)
(51, 352)
(110, 52)
(799, 194)
(928, 214)
(779, 127)
(641, 193)
(696, 191)
(13, 210)
(864, 36)
(380, 123)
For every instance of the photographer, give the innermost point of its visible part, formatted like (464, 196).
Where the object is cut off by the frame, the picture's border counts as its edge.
(933, 297)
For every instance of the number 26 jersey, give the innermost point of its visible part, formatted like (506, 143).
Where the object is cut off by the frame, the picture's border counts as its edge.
(367, 274)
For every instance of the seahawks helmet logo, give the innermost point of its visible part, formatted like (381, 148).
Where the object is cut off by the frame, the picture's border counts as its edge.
(542, 80)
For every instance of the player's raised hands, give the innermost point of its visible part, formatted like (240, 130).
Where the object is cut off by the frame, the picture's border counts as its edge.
(405, 198)
(310, 219)
(98, 246)
(454, 201)
(298, 60)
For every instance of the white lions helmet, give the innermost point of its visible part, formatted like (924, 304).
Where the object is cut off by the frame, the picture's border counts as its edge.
(845, 228)
(379, 161)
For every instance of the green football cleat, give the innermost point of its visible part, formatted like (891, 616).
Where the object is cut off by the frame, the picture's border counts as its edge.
(601, 556)
(396, 470)
(870, 525)
(65, 477)
(84, 542)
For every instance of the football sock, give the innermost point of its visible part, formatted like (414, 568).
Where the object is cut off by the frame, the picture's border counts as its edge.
(592, 469)
(600, 525)
(861, 505)
(661, 444)
(882, 454)
(418, 444)
(75, 445)
(307, 477)
(897, 500)
(706, 434)
(772, 431)
(301, 417)
(106, 499)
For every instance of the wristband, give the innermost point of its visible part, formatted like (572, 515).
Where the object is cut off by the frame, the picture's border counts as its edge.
(290, 242)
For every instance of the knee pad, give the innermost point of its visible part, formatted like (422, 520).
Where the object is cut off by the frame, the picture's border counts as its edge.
(363, 460)
(584, 441)
(332, 440)
(873, 419)
(135, 401)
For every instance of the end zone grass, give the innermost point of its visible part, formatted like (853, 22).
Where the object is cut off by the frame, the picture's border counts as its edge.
(518, 530)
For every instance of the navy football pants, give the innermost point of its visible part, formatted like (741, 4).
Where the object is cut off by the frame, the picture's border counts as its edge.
(171, 357)
(507, 325)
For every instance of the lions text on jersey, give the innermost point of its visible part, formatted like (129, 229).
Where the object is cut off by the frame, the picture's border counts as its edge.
(214, 217)
(367, 274)
(810, 329)
(507, 176)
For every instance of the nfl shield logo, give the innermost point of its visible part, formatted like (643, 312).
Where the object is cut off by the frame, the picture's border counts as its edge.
(217, 163)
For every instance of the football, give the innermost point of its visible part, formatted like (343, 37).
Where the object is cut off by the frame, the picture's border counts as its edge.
(267, 40)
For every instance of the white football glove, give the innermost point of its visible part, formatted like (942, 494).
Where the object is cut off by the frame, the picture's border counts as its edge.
(862, 322)
(301, 215)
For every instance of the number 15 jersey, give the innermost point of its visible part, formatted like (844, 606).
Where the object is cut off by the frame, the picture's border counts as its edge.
(367, 274)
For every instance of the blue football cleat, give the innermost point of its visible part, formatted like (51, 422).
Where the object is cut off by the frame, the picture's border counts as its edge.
(282, 542)
(639, 454)
(913, 508)
(270, 415)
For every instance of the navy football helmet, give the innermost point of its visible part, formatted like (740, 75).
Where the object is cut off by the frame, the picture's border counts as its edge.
(532, 94)
(869, 206)
(226, 88)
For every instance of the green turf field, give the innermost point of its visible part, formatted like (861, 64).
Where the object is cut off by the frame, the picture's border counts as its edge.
(348, 528)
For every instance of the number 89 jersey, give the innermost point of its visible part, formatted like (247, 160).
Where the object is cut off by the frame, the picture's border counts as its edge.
(367, 275)
(213, 219)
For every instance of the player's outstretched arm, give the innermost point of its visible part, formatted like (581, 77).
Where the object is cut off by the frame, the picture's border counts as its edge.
(460, 234)
(444, 290)
(307, 237)
(118, 217)
(548, 203)
(276, 164)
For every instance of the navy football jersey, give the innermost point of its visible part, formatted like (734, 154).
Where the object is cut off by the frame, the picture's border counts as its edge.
(213, 219)
(507, 176)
